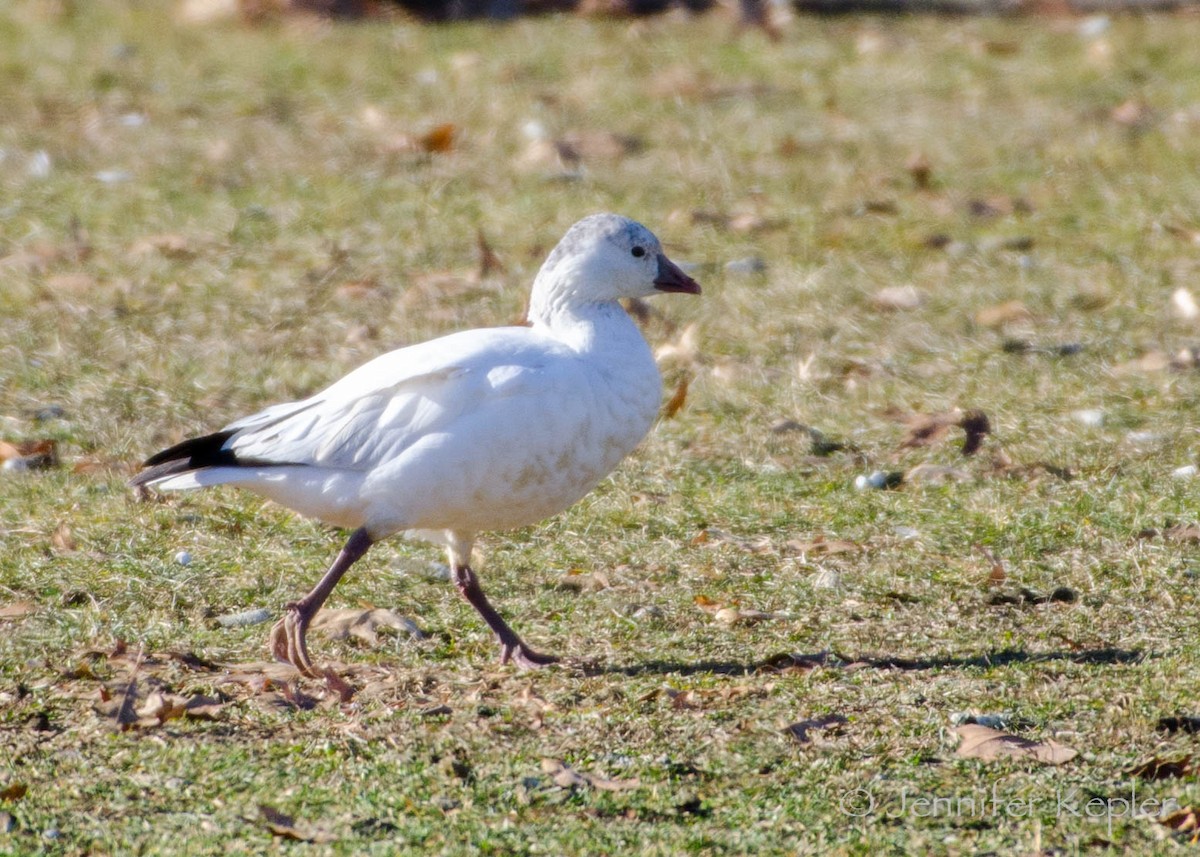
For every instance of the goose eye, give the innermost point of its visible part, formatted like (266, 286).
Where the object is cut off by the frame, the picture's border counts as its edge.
(639, 252)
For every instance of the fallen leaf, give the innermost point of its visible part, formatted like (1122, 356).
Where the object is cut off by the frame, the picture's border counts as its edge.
(170, 245)
(440, 138)
(286, 827)
(920, 169)
(1002, 314)
(988, 745)
(364, 624)
(1185, 820)
(29, 455)
(73, 284)
(997, 574)
(62, 541)
(16, 609)
(823, 546)
(565, 776)
(924, 430)
(800, 730)
(675, 404)
(1164, 769)
(13, 791)
(577, 581)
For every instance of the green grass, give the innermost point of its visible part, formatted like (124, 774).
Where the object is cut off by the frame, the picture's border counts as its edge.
(276, 157)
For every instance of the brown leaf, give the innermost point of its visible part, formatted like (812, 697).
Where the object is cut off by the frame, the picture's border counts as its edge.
(364, 624)
(489, 262)
(70, 284)
(675, 404)
(439, 138)
(62, 541)
(171, 245)
(925, 430)
(1164, 769)
(1185, 820)
(988, 745)
(920, 169)
(565, 776)
(1001, 314)
(578, 581)
(13, 791)
(997, 574)
(286, 827)
(30, 454)
(16, 609)
(822, 546)
(800, 730)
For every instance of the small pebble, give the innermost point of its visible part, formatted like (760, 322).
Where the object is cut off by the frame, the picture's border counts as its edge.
(183, 558)
(1092, 417)
(1185, 472)
(39, 165)
(906, 533)
(879, 480)
(113, 176)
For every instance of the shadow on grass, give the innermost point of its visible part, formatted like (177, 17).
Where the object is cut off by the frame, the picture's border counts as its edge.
(801, 662)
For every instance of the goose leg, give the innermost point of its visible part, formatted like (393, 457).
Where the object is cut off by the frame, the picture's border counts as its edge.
(512, 647)
(287, 637)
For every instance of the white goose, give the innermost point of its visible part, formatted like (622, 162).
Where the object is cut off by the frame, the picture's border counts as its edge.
(486, 429)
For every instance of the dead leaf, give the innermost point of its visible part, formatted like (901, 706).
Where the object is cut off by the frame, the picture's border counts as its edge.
(988, 745)
(62, 541)
(800, 730)
(822, 546)
(1179, 723)
(997, 574)
(440, 138)
(286, 827)
(920, 169)
(578, 581)
(71, 284)
(489, 262)
(1001, 314)
(1185, 820)
(29, 454)
(565, 776)
(364, 624)
(171, 245)
(924, 430)
(13, 791)
(1164, 769)
(16, 609)
(675, 404)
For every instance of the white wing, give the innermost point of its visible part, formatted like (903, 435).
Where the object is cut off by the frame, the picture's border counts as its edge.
(380, 409)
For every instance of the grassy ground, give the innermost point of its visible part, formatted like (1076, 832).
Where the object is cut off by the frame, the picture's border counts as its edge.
(196, 221)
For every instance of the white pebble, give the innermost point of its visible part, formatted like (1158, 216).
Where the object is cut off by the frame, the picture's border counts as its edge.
(1093, 417)
(39, 165)
(1185, 472)
(183, 558)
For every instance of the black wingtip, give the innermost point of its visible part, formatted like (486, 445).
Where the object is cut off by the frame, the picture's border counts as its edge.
(191, 454)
